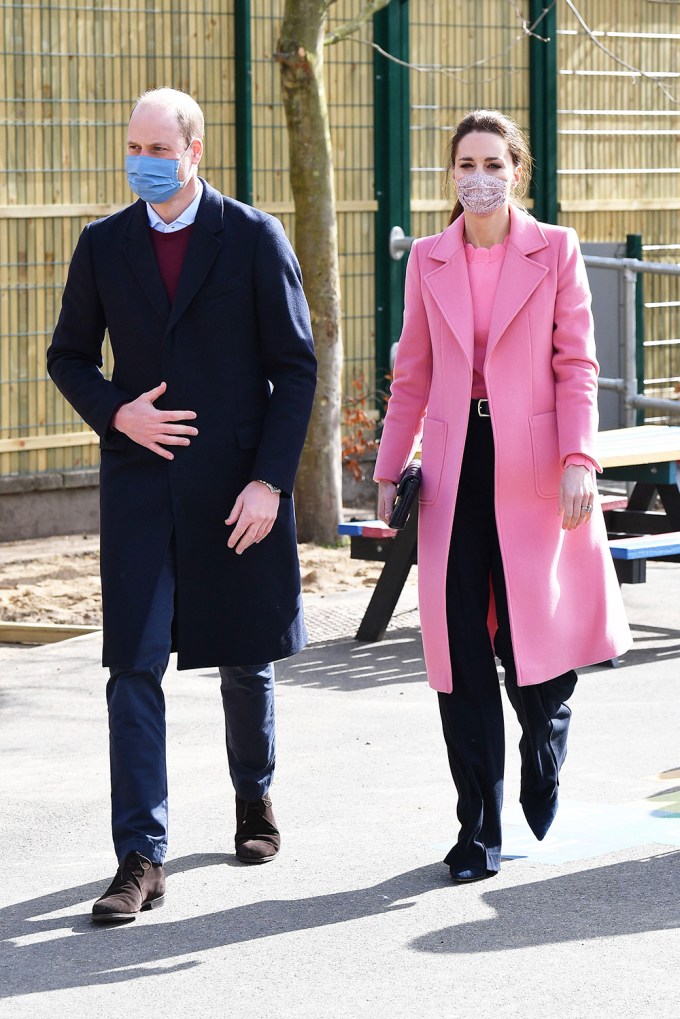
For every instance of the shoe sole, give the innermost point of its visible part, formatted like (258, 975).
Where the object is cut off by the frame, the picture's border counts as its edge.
(471, 880)
(127, 917)
(263, 859)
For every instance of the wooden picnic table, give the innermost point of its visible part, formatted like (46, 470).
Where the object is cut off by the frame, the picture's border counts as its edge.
(642, 445)
(646, 455)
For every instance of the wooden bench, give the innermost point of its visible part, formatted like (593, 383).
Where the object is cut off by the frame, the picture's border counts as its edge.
(374, 540)
(630, 554)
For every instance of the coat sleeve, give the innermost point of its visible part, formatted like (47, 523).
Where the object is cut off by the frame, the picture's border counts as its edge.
(574, 362)
(286, 351)
(74, 358)
(410, 390)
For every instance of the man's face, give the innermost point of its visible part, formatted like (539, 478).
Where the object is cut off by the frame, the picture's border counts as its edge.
(154, 131)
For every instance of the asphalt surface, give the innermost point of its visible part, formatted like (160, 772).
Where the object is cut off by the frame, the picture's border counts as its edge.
(357, 916)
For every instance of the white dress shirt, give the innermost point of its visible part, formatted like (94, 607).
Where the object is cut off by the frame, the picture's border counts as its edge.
(185, 219)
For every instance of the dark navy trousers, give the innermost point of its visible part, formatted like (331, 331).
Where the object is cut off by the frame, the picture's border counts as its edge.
(472, 715)
(139, 788)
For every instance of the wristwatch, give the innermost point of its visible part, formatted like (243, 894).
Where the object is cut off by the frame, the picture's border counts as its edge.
(272, 488)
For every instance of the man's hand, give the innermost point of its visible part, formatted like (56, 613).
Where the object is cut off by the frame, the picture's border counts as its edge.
(386, 496)
(149, 427)
(253, 515)
(577, 495)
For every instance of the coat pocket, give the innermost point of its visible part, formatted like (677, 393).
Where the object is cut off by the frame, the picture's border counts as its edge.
(546, 453)
(434, 449)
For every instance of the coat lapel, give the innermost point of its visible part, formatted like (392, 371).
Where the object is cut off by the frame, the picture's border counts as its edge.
(519, 276)
(450, 287)
(138, 251)
(204, 246)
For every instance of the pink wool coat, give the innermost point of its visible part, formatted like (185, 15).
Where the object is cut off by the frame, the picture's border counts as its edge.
(541, 379)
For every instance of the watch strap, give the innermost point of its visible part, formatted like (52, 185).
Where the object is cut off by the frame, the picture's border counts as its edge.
(272, 488)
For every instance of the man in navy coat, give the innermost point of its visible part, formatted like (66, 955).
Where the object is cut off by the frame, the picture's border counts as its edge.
(201, 427)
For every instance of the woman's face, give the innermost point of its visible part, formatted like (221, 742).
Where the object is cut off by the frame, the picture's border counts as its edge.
(485, 152)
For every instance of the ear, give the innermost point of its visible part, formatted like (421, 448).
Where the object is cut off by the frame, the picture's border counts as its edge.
(196, 151)
(517, 175)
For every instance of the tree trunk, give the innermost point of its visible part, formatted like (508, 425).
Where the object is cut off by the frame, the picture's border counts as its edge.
(318, 488)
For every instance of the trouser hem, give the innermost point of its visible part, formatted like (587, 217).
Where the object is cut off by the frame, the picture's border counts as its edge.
(152, 851)
(485, 859)
(254, 790)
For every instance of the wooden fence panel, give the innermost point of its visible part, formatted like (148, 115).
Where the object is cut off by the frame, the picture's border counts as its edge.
(71, 71)
(470, 55)
(70, 75)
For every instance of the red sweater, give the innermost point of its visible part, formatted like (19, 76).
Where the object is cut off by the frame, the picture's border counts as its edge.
(170, 250)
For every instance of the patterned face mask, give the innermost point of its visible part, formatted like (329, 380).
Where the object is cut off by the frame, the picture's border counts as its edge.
(482, 194)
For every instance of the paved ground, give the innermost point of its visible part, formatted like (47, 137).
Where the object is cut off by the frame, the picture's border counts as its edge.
(357, 917)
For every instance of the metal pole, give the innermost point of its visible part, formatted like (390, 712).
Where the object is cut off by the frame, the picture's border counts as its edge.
(634, 250)
(615, 384)
(392, 174)
(243, 76)
(634, 264)
(543, 110)
(669, 406)
(630, 349)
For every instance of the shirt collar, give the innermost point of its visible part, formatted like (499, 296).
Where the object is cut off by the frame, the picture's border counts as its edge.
(185, 219)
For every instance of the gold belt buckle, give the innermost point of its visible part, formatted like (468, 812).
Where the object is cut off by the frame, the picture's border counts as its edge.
(483, 412)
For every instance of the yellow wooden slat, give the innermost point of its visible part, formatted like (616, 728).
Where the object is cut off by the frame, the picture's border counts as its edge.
(644, 444)
(41, 633)
(57, 441)
(604, 205)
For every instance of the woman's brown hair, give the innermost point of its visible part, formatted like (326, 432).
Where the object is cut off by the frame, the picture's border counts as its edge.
(493, 122)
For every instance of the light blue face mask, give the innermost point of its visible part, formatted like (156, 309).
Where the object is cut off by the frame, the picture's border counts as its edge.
(155, 180)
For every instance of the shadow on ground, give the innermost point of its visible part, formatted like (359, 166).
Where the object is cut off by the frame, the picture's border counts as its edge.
(666, 645)
(347, 664)
(614, 901)
(108, 955)
(617, 900)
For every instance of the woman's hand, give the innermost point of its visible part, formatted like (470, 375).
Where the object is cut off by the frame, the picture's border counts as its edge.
(386, 494)
(577, 495)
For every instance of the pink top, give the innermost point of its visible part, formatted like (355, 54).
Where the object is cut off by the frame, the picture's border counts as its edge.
(484, 270)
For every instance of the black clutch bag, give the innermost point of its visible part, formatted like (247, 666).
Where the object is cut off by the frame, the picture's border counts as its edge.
(407, 490)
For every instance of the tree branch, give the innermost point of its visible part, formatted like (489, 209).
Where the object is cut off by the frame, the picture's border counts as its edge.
(349, 27)
(526, 27)
(454, 72)
(636, 72)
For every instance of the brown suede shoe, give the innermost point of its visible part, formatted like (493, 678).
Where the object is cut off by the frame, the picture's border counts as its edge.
(257, 837)
(138, 884)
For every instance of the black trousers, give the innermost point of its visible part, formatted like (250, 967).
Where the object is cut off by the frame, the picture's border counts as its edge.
(472, 715)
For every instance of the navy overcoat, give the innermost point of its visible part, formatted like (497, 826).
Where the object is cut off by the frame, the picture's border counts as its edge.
(236, 348)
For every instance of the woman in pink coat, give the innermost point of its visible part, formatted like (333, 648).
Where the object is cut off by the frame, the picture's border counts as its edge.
(496, 375)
